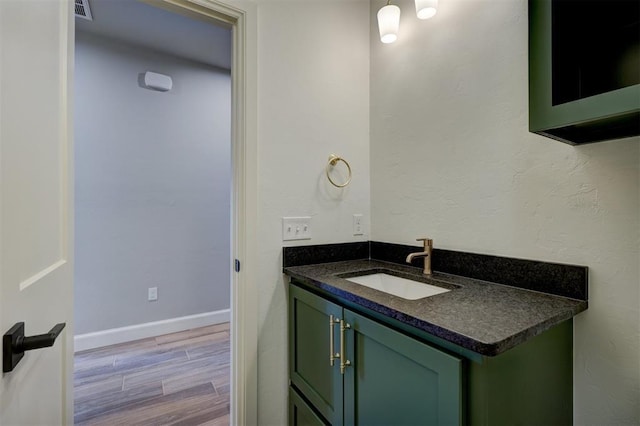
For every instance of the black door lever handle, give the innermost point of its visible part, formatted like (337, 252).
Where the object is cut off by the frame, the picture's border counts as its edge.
(14, 344)
(40, 341)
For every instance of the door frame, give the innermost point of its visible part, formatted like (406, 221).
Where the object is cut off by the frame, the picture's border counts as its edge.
(241, 17)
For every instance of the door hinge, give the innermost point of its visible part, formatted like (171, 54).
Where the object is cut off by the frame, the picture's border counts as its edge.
(237, 265)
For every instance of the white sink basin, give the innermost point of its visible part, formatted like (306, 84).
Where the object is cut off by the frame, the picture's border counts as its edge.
(401, 287)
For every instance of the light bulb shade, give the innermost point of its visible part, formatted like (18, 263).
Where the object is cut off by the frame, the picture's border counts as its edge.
(426, 9)
(388, 23)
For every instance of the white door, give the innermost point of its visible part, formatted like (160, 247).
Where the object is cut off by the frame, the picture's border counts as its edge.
(36, 48)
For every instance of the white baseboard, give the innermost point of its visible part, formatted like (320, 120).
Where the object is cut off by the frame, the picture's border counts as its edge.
(82, 342)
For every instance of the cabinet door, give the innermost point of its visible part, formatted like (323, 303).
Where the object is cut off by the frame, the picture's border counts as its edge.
(300, 414)
(396, 380)
(567, 54)
(309, 350)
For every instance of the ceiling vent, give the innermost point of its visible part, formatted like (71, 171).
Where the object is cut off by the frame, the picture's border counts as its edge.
(82, 10)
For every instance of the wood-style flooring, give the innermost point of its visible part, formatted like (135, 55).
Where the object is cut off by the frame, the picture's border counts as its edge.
(174, 379)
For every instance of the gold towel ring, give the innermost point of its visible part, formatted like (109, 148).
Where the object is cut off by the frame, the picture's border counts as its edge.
(333, 160)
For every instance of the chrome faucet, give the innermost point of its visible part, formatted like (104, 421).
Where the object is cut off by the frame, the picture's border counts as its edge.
(428, 247)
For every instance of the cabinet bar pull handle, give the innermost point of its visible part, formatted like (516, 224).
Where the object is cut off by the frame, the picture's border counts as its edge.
(344, 363)
(332, 354)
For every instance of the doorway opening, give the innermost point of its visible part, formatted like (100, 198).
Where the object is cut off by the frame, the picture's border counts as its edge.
(153, 206)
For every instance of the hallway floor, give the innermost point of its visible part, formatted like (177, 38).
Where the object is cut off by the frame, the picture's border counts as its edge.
(180, 378)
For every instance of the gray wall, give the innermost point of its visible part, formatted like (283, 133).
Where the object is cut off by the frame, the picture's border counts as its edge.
(153, 178)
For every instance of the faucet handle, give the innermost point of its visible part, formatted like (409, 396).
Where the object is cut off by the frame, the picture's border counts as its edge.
(428, 242)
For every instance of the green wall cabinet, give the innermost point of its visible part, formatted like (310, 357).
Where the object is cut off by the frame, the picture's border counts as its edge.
(389, 378)
(584, 69)
(398, 375)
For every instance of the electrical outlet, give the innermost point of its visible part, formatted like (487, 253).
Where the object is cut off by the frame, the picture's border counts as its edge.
(296, 228)
(152, 294)
(358, 226)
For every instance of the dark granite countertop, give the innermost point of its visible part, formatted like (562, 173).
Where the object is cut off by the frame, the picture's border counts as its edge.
(483, 317)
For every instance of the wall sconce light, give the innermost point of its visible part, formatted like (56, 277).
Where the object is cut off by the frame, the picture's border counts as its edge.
(389, 22)
(426, 9)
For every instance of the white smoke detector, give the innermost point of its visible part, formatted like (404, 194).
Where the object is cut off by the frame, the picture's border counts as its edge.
(159, 82)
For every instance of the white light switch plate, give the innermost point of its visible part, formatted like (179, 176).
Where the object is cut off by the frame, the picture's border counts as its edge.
(296, 228)
(358, 226)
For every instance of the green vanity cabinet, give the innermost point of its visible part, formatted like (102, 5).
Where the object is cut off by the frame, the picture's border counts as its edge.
(300, 413)
(395, 374)
(389, 378)
(584, 72)
(309, 350)
(394, 379)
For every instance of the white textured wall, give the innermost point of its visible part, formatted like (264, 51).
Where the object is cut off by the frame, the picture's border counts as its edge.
(452, 158)
(313, 100)
(152, 187)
